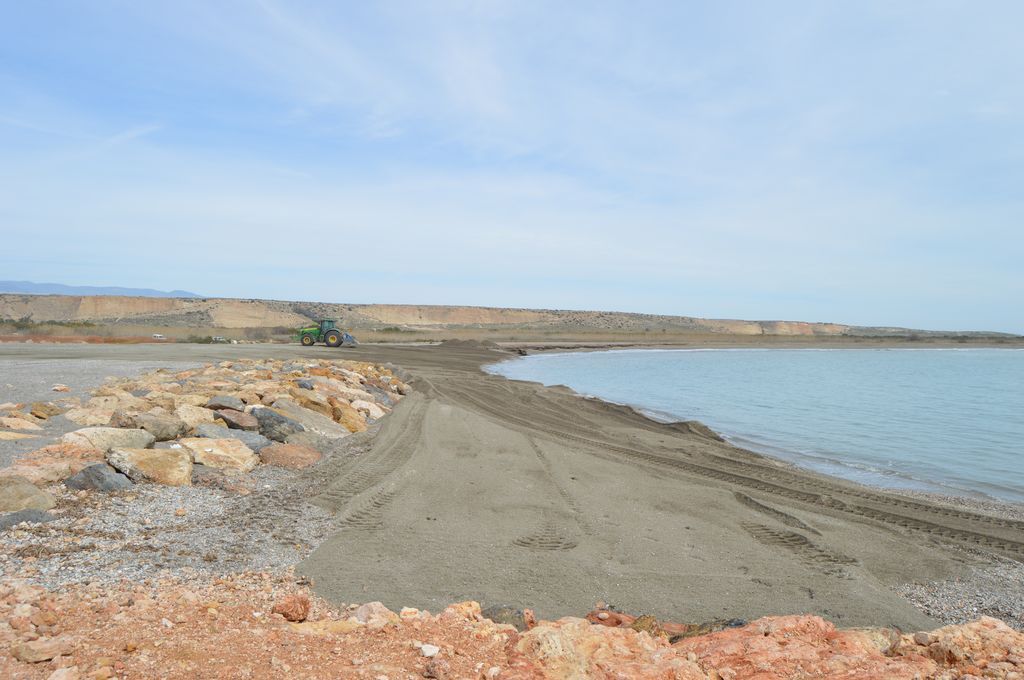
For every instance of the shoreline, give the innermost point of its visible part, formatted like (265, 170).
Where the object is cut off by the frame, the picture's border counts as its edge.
(981, 502)
(530, 485)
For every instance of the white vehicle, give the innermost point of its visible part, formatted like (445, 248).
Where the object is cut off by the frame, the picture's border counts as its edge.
(157, 336)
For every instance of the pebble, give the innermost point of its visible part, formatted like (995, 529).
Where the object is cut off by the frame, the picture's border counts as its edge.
(429, 651)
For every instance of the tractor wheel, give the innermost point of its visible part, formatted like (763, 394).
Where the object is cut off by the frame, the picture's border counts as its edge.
(307, 340)
(333, 339)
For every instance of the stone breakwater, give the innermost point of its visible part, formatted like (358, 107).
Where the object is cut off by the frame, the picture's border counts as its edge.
(258, 625)
(206, 426)
(207, 469)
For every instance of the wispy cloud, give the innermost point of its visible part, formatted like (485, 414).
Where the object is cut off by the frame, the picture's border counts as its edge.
(530, 154)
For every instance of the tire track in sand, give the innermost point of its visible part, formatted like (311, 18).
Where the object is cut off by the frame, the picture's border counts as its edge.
(806, 490)
(391, 450)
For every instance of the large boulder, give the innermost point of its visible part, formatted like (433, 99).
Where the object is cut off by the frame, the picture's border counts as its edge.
(346, 416)
(371, 409)
(89, 416)
(162, 427)
(98, 477)
(311, 400)
(221, 453)
(39, 471)
(237, 420)
(224, 401)
(254, 440)
(17, 493)
(310, 420)
(172, 467)
(292, 456)
(16, 423)
(194, 416)
(107, 438)
(45, 409)
(275, 425)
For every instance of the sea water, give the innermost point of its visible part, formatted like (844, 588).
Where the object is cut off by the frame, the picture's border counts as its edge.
(948, 421)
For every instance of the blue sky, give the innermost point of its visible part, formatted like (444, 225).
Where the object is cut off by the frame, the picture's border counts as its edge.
(855, 162)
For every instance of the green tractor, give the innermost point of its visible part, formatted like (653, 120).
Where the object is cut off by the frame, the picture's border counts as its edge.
(326, 332)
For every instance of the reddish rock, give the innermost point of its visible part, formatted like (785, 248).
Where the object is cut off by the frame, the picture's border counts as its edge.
(41, 650)
(293, 456)
(294, 607)
(238, 420)
(778, 647)
(575, 648)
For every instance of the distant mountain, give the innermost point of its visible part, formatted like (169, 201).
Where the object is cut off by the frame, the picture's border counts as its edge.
(32, 288)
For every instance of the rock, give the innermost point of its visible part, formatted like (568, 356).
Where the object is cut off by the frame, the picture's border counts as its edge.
(69, 673)
(777, 647)
(294, 607)
(172, 467)
(98, 477)
(429, 650)
(194, 416)
(221, 453)
(380, 395)
(89, 417)
(311, 401)
(923, 638)
(17, 493)
(224, 401)
(40, 472)
(254, 440)
(15, 423)
(13, 436)
(371, 409)
(41, 650)
(60, 388)
(305, 384)
(31, 516)
(45, 409)
(574, 648)
(311, 420)
(163, 428)
(436, 668)
(506, 614)
(987, 643)
(107, 438)
(236, 420)
(276, 426)
(346, 416)
(290, 456)
(375, 615)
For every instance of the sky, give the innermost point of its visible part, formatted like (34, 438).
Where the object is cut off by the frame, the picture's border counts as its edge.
(855, 162)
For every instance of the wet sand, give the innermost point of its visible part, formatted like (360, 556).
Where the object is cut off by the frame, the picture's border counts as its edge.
(508, 492)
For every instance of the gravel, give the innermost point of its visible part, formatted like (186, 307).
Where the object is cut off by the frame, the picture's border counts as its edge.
(106, 538)
(996, 589)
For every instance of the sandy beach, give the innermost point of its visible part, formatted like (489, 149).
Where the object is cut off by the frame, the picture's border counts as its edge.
(477, 487)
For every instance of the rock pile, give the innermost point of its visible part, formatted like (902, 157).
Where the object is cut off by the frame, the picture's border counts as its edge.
(264, 626)
(162, 426)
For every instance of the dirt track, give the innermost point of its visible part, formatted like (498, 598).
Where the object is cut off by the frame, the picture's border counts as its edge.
(507, 492)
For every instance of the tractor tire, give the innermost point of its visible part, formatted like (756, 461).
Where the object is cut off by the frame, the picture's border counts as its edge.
(307, 340)
(333, 339)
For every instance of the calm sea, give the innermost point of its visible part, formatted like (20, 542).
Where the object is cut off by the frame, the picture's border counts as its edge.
(943, 420)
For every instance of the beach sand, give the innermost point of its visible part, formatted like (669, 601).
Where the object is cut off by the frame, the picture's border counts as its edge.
(477, 487)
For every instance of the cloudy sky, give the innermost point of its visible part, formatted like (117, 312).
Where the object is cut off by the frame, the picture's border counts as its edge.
(857, 162)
